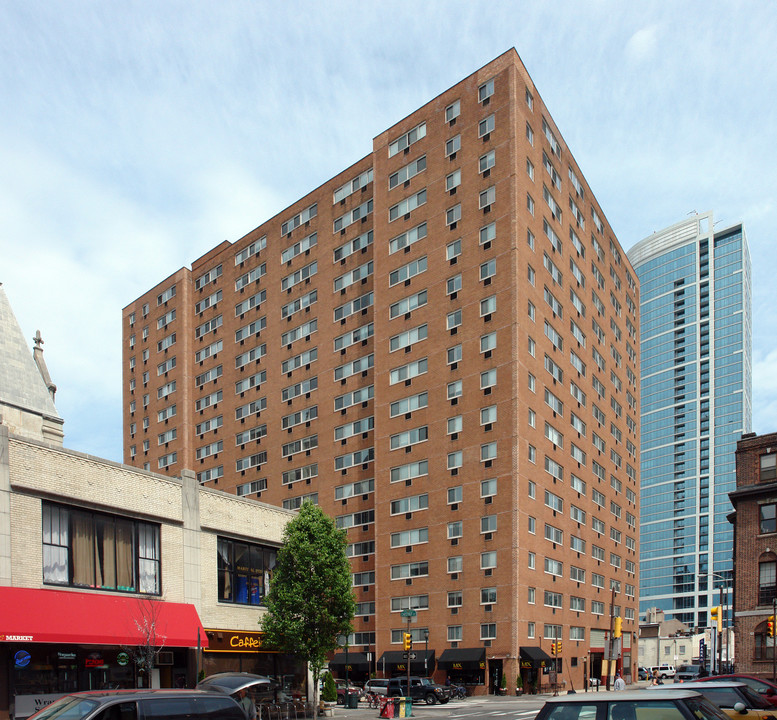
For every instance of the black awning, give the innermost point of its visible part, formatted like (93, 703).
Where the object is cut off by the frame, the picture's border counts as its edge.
(463, 659)
(394, 661)
(534, 657)
(356, 661)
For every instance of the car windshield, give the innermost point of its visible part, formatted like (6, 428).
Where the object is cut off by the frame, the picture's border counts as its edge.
(704, 709)
(728, 696)
(70, 707)
(754, 699)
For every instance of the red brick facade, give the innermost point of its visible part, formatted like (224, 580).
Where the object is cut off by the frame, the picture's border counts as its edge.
(755, 551)
(516, 300)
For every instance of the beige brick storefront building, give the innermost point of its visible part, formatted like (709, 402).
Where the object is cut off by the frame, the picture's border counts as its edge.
(90, 550)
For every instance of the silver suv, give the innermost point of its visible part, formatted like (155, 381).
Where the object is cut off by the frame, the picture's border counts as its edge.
(377, 686)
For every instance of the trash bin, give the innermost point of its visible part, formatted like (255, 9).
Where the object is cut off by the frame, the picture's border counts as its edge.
(352, 700)
(405, 707)
(387, 707)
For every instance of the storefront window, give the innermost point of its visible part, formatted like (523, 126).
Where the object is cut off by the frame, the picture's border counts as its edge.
(101, 552)
(244, 571)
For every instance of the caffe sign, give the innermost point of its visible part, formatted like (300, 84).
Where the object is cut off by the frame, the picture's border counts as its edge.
(233, 641)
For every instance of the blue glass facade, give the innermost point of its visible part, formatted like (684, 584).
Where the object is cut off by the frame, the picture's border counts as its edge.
(696, 403)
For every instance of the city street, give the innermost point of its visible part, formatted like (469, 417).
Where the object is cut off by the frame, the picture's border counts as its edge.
(487, 706)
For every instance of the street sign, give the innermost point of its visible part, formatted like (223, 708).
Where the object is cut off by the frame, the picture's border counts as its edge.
(408, 613)
(408, 656)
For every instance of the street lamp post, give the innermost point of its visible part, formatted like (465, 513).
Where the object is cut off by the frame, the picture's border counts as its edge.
(426, 652)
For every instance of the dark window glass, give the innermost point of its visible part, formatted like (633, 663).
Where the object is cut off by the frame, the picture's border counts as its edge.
(168, 708)
(768, 518)
(244, 571)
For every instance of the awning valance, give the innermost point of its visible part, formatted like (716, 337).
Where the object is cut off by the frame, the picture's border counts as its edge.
(354, 661)
(534, 657)
(463, 659)
(59, 616)
(397, 662)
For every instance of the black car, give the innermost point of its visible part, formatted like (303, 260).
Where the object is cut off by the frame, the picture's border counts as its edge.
(421, 690)
(142, 705)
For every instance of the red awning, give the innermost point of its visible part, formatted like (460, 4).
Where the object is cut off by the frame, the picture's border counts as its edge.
(59, 616)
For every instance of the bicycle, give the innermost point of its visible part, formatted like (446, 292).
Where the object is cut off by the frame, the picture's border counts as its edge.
(373, 700)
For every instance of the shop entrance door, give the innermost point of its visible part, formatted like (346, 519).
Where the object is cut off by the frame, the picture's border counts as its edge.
(94, 679)
(495, 676)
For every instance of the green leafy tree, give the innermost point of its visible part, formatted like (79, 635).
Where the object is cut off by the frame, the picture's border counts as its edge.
(310, 601)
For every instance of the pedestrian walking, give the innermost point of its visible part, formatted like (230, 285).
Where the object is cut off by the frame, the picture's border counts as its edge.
(620, 683)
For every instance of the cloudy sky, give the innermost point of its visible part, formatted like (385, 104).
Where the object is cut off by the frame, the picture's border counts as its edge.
(136, 135)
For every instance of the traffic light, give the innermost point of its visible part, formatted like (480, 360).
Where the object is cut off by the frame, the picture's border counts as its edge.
(558, 648)
(407, 641)
(553, 648)
(616, 627)
(716, 618)
(770, 626)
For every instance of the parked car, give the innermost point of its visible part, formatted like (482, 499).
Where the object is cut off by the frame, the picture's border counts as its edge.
(351, 690)
(138, 704)
(377, 686)
(735, 699)
(664, 671)
(689, 672)
(642, 673)
(657, 704)
(421, 690)
(764, 687)
(259, 688)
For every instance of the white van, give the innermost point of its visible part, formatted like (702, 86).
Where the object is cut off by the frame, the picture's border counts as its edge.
(664, 671)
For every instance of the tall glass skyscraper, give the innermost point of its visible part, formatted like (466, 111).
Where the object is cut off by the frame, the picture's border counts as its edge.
(696, 378)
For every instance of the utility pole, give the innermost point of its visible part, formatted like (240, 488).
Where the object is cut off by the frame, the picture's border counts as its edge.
(774, 657)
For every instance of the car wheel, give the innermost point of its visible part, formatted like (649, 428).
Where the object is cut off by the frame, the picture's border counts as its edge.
(341, 699)
(431, 699)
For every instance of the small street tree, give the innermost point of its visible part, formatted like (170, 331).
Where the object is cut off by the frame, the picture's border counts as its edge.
(310, 601)
(146, 624)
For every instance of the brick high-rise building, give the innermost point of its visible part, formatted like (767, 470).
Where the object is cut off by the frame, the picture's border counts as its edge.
(439, 346)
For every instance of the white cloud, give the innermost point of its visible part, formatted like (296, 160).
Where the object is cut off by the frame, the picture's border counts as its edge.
(641, 46)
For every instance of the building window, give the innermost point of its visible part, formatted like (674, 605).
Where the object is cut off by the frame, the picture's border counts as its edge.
(487, 161)
(100, 552)
(486, 126)
(769, 466)
(488, 560)
(486, 90)
(768, 517)
(452, 111)
(244, 571)
(767, 579)
(488, 631)
(455, 633)
(405, 141)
